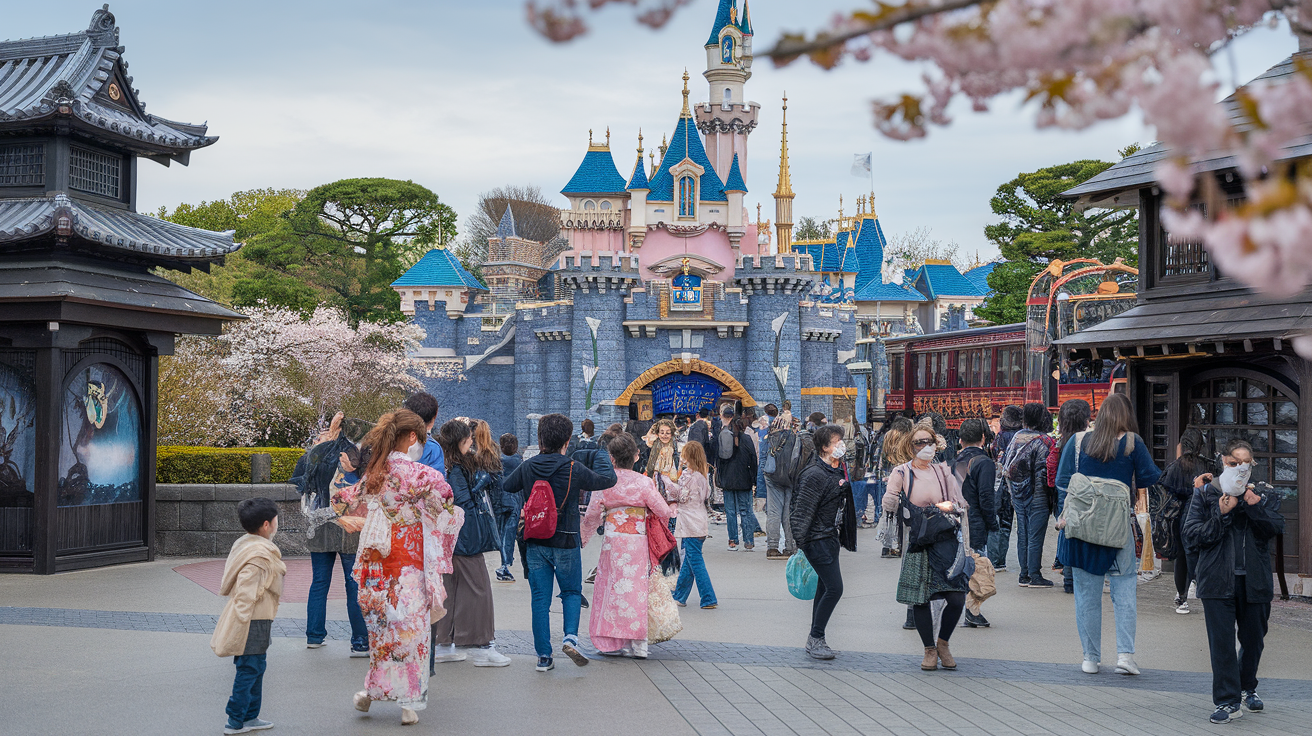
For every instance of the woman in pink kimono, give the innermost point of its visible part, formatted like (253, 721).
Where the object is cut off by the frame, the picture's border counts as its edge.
(618, 618)
(410, 529)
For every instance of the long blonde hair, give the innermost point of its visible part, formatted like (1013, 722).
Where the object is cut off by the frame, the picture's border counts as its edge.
(487, 454)
(694, 457)
(391, 429)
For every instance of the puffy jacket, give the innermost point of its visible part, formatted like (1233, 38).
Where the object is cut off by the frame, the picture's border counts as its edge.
(975, 471)
(819, 496)
(470, 490)
(738, 473)
(1240, 536)
(1025, 466)
(592, 471)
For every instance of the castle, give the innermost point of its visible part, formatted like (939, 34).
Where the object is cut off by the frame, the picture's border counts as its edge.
(667, 297)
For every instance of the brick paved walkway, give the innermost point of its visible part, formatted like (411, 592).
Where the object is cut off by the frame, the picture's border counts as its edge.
(722, 688)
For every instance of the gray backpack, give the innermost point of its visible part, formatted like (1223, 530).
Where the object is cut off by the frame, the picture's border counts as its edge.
(1097, 510)
(726, 443)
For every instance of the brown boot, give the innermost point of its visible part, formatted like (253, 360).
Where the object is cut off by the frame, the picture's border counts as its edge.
(931, 659)
(944, 656)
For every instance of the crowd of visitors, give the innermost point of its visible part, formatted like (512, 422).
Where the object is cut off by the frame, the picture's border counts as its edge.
(417, 509)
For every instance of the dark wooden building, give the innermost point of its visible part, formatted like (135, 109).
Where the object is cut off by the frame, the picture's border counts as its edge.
(1203, 349)
(83, 315)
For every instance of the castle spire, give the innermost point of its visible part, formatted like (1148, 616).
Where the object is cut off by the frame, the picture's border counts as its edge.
(686, 112)
(783, 194)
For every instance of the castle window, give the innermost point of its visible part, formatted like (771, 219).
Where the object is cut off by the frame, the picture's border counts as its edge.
(95, 172)
(605, 205)
(726, 50)
(687, 197)
(22, 165)
(728, 97)
(589, 205)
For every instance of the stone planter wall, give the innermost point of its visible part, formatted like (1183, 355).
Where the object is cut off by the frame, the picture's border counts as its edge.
(201, 519)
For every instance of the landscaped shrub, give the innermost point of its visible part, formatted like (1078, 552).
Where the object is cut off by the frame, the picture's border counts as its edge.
(179, 464)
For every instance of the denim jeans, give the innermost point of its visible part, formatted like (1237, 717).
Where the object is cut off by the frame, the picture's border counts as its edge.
(736, 504)
(1088, 610)
(316, 606)
(565, 566)
(694, 570)
(1031, 531)
(778, 507)
(508, 527)
(244, 705)
(863, 491)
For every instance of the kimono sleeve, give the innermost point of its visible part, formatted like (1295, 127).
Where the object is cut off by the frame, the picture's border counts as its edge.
(346, 497)
(431, 487)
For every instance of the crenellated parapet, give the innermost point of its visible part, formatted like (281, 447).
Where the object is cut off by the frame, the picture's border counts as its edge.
(791, 273)
(599, 273)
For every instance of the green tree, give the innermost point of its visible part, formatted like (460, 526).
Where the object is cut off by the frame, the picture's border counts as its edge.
(1039, 225)
(810, 228)
(249, 214)
(350, 239)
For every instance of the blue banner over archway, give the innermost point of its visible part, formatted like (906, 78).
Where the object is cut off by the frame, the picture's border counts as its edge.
(677, 393)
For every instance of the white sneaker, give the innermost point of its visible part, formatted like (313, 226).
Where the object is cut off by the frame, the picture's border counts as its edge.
(408, 716)
(1090, 667)
(1125, 665)
(1181, 605)
(1193, 591)
(448, 653)
(488, 656)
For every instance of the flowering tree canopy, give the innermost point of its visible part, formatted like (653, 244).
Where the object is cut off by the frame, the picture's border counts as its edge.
(1084, 61)
(273, 378)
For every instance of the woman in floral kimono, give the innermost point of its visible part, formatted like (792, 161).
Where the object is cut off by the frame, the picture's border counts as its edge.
(410, 529)
(618, 618)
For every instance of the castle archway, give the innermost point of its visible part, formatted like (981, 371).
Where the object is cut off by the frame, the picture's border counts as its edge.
(731, 387)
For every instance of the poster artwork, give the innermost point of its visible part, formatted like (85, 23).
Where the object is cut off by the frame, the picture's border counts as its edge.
(100, 451)
(17, 438)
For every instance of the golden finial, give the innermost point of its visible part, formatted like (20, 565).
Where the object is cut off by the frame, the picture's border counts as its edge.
(608, 136)
(758, 215)
(685, 113)
(652, 155)
(870, 209)
(840, 210)
(785, 187)
(589, 137)
(664, 146)
(639, 144)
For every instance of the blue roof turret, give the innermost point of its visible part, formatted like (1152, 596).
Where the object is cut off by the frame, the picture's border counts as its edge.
(639, 178)
(745, 22)
(735, 182)
(722, 19)
(686, 143)
(439, 267)
(596, 174)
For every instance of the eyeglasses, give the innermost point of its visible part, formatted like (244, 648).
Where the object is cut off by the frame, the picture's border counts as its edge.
(922, 443)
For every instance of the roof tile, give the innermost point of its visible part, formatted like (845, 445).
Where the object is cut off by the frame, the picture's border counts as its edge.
(439, 267)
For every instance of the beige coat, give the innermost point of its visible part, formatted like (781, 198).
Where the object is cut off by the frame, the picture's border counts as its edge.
(252, 580)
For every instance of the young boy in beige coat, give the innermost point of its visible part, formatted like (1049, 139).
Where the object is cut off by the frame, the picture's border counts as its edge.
(252, 580)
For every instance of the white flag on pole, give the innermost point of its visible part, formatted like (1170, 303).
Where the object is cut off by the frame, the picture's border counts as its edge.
(862, 164)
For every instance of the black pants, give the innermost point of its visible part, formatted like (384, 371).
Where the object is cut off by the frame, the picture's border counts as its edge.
(823, 556)
(1232, 673)
(956, 601)
(1181, 575)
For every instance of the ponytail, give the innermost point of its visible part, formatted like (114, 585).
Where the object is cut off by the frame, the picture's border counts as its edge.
(384, 438)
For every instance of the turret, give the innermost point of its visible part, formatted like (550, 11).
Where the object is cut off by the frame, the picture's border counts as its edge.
(638, 189)
(727, 118)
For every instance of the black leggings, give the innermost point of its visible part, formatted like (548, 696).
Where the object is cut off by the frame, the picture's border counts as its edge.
(1182, 576)
(956, 601)
(823, 556)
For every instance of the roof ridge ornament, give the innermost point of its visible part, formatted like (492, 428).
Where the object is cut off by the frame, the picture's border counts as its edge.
(686, 113)
(102, 30)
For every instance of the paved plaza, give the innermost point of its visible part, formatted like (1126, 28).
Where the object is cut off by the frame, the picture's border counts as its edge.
(125, 650)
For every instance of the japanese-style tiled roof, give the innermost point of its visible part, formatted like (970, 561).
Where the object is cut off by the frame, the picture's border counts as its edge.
(133, 235)
(63, 77)
(979, 276)
(944, 280)
(869, 250)
(875, 290)
(686, 143)
(1137, 169)
(639, 178)
(735, 181)
(506, 228)
(596, 174)
(439, 267)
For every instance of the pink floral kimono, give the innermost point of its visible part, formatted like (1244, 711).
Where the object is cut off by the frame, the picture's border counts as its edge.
(618, 617)
(402, 593)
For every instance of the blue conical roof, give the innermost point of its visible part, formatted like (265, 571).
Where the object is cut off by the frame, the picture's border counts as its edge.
(596, 174)
(735, 182)
(686, 143)
(439, 267)
(507, 227)
(639, 178)
(721, 20)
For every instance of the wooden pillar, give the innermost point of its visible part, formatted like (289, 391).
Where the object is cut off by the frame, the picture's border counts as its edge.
(45, 501)
(150, 416)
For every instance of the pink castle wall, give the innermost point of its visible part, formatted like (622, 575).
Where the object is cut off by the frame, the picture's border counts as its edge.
(660, 244)
(596, 240)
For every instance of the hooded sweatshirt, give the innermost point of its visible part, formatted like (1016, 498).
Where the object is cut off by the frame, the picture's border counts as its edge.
(591, 471)
(252, 581)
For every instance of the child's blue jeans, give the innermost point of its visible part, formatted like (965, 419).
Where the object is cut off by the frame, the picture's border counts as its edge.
(244, 705)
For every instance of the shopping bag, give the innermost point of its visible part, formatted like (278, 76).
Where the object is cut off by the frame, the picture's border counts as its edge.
(802, 579)
(1146, 558)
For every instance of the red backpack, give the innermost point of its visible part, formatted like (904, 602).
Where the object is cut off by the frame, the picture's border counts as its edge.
(541, 511)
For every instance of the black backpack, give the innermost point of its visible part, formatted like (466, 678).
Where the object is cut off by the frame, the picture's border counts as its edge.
(791, 451)
(1164, 509)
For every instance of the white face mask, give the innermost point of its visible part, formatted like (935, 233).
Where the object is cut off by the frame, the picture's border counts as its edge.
(927, 453)
(416, 451)
(1234, 479)
(839, 450)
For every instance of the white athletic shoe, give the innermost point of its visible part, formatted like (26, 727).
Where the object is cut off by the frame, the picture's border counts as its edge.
(1125, 665)
(488, 656)
(448, 653)
(1090, 667)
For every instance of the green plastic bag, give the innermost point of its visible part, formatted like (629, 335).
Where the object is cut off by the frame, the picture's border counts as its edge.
(801, 577)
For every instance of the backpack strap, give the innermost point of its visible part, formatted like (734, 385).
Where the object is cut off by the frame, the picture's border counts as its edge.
(568, 484)
(1079, 447)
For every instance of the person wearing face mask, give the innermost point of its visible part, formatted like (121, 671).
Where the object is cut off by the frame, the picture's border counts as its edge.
(1230, 523)
(823, 510)
(924, 483)
(400, 584)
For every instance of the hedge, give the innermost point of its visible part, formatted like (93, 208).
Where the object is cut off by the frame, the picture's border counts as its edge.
(179, 464)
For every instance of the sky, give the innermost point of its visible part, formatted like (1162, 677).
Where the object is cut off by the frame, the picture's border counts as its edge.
(464, 96)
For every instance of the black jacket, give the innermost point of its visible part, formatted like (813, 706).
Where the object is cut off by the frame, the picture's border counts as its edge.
(1223, 539)
(817, 500)
(504, 504)
(592, 472)
(470, 491)
(738, 473)
(700, 432)
(976, 472)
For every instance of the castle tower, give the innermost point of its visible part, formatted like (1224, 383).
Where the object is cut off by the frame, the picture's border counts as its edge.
(726, 118)
(783, 194)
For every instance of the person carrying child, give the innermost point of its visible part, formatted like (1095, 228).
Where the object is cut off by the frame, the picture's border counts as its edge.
(252, 581)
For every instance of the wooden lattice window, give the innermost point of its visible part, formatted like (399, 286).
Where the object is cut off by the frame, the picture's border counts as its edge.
(95, 172)
(23, 165)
